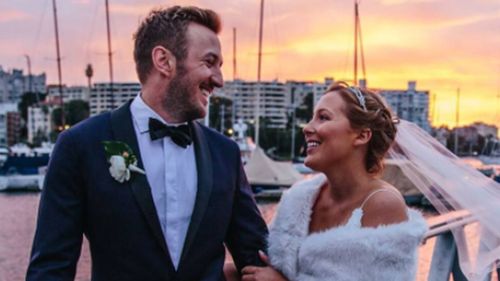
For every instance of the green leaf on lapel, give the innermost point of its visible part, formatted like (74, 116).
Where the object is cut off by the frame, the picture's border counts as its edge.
(118, 148)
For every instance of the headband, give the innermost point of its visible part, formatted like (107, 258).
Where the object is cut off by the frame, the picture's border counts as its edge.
(359, 96)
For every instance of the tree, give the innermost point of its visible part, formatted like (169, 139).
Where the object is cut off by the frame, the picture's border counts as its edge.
(74, 112)
(303, 114)
(275, 141)
(304, 111)
(217, 104)
(28, 99)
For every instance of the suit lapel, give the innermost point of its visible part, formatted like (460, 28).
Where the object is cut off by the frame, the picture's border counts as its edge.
(123, 130)
(205, 182)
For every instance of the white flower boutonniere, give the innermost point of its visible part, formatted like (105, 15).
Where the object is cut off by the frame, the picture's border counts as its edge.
(122, 160)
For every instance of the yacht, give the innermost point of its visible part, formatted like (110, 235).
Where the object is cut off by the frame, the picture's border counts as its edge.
(25, 167)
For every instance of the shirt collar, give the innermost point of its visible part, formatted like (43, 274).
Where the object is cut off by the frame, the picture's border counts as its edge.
(141, 113)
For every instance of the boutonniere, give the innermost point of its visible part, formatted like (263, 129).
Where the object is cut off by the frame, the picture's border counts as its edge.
(122, 160)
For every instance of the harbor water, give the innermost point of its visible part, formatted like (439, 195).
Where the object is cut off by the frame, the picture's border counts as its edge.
(18, 213)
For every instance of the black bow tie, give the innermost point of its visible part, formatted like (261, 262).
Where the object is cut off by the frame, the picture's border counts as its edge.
(180, 135)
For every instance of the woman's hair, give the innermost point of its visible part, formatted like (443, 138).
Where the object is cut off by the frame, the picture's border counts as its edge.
(366, 109)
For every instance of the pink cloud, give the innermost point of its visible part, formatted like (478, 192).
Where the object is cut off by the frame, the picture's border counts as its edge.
(82, 2)
(400, 2)
(12, 15)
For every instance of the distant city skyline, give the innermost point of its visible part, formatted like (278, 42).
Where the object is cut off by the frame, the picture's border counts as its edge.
(442, 44)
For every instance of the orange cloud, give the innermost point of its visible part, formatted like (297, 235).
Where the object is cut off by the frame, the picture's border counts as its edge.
(443, 45)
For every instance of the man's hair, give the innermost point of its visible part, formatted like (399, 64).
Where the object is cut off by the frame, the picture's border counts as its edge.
(167, 27)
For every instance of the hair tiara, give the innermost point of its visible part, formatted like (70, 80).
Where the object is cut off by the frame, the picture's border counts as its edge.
(359, 96)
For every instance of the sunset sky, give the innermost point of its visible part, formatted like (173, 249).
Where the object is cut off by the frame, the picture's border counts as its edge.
(442, 44)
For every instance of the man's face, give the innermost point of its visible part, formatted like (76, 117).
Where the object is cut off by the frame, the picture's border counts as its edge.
(196, 76)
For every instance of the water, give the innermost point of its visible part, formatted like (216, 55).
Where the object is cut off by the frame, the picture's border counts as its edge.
(17, 225)
(18, 213)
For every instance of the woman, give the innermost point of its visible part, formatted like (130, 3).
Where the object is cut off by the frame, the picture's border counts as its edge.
(345, 224)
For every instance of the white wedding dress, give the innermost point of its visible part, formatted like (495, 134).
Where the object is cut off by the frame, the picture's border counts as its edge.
(345, 253)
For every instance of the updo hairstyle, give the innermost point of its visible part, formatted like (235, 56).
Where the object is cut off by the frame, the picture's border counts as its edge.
(374, 115)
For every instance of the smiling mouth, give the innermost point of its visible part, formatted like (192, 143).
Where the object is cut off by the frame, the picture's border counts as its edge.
(312, 145)
(205, 92)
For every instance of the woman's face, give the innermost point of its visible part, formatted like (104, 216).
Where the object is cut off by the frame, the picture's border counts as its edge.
(329, 136)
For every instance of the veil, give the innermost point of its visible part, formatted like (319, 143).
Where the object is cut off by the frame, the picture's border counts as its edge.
(450, 185)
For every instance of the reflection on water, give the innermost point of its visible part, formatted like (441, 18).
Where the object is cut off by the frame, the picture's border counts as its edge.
(18, 218)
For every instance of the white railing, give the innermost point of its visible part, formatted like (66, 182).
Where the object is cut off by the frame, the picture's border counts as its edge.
(444, 257)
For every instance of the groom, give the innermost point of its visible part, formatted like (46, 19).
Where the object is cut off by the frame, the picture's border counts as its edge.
(170, 216)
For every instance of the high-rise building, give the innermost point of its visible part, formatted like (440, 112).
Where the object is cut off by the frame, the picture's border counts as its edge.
(5, 115)
(13, 127)
(485, 130)
(277, 99)
(13, 84)
(69, 93)
(101, 99)
(410, 104)
(319, 89)
(297, 91)
(39, 122)
(272, 101)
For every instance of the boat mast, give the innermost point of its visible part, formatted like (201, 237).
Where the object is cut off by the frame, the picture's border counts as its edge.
(355, 42)
(233, 106)
(456, 122)
(259, 65)
(358, 35)
(59, 75)
(234, 54)
(433, 109)
(110, 56)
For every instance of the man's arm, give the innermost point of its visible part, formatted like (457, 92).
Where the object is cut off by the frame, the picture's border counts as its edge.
(58, 236)
(247, 233)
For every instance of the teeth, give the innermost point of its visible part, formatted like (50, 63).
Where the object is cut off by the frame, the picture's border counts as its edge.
(205, 92)
(312, 144)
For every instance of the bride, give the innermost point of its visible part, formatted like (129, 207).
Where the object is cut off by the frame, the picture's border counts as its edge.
(346, 223)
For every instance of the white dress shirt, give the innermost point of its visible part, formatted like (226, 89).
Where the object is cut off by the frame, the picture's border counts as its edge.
(172, 175)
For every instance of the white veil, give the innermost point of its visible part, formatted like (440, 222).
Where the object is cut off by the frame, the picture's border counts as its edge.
(450, 185)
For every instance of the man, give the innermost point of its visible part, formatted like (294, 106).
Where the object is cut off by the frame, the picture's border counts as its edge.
(167, 215)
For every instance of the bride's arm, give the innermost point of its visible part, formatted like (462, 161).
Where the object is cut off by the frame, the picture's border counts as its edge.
(230, 272)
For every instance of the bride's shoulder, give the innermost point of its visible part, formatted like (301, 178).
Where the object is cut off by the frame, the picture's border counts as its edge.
(384, 206)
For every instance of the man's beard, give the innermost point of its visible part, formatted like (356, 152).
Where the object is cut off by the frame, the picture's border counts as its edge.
(180, 101)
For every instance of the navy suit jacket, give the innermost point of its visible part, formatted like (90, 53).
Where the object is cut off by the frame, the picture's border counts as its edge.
(120, 220)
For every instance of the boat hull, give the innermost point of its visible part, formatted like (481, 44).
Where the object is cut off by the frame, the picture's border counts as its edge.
(21, 182)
